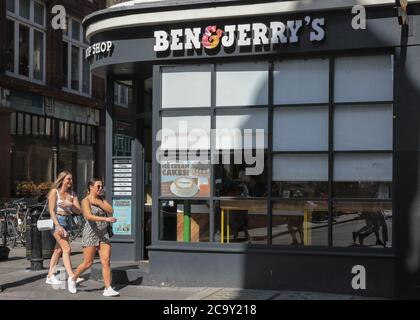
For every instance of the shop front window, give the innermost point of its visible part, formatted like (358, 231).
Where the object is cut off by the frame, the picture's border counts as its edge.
(32, 154)
(326, 143)
(363, 157)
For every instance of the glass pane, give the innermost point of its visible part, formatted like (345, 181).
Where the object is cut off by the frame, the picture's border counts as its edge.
(234, 179)
(48, 128)
(66, 130)
(300, 129)
(24, 8)
(363, 127)
(370, 79)
(300, 167)
(122, 139)
(65, 63)
(363, 167)
(13, 123)
(27, 124)
(41, 126)
(20, 124)
(184, 220)
(124, 95)
(38, 55)
(86, 75)
(186, 87)
(11, 5)
(72, 132)
(363, 189)
(75, 77)
(78, 134)
(231, 128)
(61, 129)
(116, 93)
(93, 135)
(242, 84)
(300, 223)
(358, 224)
(35, 125)
(39, 13)
(89, 135)
(10, 45)
(23, 50)
(185, 179)
(75, 30)
(183, 133)
(300, 189)
(301, 81)
(241, 221)
(83, 134)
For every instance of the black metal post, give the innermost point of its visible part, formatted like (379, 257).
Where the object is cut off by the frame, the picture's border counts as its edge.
(36, 242)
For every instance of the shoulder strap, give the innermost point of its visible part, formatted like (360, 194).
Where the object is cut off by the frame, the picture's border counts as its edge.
(58, 194)
(43, 210)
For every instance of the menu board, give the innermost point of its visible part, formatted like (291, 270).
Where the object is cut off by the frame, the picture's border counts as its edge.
(122, 175)
(185, 179)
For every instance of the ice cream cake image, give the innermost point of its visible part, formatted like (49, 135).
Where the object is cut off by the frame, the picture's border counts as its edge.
(184, 187)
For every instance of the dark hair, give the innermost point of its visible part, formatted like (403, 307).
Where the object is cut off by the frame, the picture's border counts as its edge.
(90, 183)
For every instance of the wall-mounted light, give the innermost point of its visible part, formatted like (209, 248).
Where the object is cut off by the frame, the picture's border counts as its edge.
(402, 11)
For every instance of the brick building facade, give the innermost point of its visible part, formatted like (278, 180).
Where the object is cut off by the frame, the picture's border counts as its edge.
(50, 105)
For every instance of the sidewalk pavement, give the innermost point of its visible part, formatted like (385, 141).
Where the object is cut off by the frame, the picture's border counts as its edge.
(19, 283)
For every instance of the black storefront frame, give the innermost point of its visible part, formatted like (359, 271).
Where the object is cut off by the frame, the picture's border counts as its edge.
(159, 112)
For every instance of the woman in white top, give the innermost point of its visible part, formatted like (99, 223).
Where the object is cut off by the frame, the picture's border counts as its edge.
(62, 202)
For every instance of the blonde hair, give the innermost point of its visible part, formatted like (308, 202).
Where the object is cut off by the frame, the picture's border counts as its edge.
(60, 178)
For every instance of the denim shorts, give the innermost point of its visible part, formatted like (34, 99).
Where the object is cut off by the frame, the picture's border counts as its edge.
(64, 221)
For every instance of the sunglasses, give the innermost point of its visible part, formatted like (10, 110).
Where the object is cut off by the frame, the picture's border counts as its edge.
(99, 187)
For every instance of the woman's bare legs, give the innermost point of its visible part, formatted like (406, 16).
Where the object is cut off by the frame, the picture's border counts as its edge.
(105, 256)
(54, 259)
(66, 250)
(88, 256)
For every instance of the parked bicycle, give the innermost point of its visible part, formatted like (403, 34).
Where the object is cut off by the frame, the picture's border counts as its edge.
(78, 223)
(13, 217)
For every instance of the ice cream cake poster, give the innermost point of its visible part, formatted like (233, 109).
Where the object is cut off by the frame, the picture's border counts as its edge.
(122, 212)
(185, 179)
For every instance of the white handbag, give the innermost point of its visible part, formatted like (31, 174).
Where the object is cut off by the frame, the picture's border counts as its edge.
(44, 224)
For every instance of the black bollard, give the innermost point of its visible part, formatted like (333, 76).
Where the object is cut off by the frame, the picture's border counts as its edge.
(36, 242)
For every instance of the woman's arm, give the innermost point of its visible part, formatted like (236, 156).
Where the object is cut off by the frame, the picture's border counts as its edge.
(104, 205)
(76, 206)
(88, 214)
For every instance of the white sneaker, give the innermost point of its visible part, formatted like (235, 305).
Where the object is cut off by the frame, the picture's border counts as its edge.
(109, 292)
(71, 285)
(79, 280)
(52, 280)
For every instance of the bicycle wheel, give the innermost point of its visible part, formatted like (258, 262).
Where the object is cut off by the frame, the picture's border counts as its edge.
(11, 234)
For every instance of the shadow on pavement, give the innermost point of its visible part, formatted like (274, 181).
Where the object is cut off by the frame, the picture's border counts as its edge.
(22, 282)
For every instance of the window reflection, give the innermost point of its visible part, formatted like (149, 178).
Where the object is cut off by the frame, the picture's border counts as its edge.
(358, 224)
(241, 221)
(233, 180)
(184, 220)
(300, 223)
